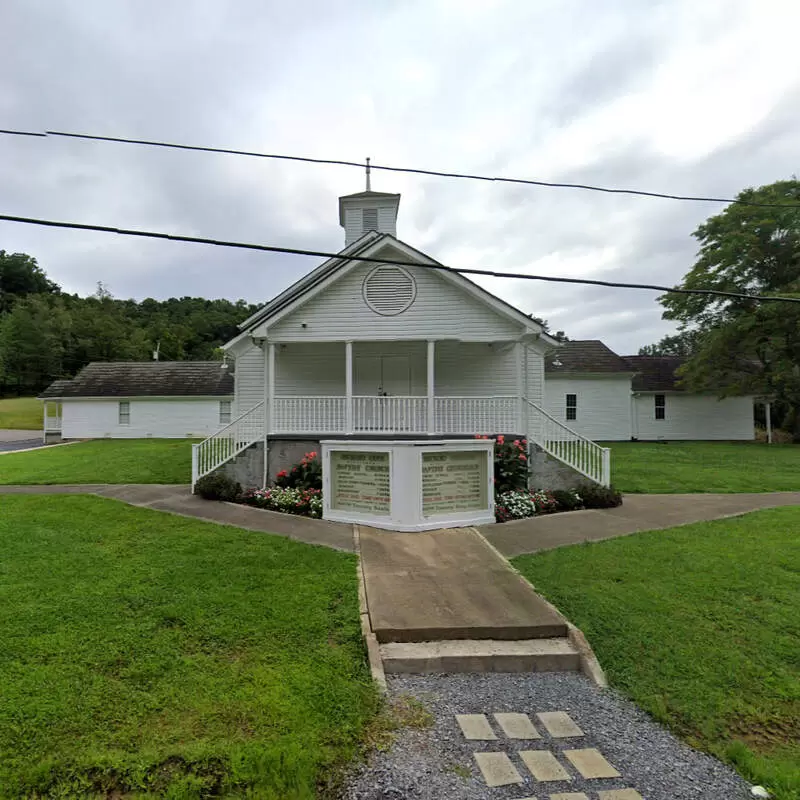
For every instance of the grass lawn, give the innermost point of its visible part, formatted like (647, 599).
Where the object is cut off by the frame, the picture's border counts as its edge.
(678, 467)
(700, 626)
(102, 461)
(23, 413)
(146, 655)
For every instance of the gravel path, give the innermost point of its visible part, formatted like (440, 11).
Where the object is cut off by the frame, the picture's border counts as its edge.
(437, 762)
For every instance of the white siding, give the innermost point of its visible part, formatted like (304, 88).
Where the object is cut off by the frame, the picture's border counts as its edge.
(354, 219)
(248, 380)
(694, 416)
(603, 410)
(440, 310)
(470, 369)
(161, 419)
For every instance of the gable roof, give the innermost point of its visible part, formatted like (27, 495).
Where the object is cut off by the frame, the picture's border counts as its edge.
(145, 379)
(655, 373)
(372, 242)
(590, 356)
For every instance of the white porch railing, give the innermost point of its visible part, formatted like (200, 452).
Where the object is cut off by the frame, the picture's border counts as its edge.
(227, 442)
(578, 452)
(476, 415)
(396, 414)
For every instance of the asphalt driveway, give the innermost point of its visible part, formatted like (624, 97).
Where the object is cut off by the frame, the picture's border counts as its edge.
(11, 439)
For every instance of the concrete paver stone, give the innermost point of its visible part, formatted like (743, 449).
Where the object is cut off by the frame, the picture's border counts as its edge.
(517, 726)
(475, 727)
(559, 724)
(497, 769)
(619, 794)
(544, 765)
(591, 764)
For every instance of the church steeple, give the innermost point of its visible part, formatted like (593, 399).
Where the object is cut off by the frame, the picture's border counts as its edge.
(368, 211)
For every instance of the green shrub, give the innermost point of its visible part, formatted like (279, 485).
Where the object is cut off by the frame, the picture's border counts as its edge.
(511, 466)
(596, 496)
(218, 486)
(305, 475)
(567, 500)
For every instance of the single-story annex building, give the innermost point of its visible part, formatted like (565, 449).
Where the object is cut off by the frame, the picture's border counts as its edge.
(610, 398)
(137, 400)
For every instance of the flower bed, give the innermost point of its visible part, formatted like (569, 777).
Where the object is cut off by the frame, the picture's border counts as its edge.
(306, 502)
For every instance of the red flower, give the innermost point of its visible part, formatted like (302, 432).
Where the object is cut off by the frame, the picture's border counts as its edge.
(523, 457)
(282, 474)
(501, 439)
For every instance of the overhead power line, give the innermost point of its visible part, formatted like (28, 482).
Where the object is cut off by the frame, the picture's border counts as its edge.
(174, 237)
(390, 168)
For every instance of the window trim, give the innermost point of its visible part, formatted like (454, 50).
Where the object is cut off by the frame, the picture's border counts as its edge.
(571, 405)
(225, 412)
(124, 412)
(660, 408)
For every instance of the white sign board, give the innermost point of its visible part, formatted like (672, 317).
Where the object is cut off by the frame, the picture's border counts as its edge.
(409, 485)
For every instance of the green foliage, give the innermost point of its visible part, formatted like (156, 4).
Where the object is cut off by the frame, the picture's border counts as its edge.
(305, 475)
(218, 486)
(511, 468)
(595, 496)
(681, 344)
(567, 500)
(45, 334)
(686, 467)
(742, 346)
(102, 461)
(148, 655)
(698, 625)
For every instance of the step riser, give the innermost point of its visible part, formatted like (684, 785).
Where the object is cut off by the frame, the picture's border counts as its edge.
(493, 663)
(387, 635)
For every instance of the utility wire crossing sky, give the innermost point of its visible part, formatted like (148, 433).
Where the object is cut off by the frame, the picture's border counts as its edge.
(395, 262)
(388, 168)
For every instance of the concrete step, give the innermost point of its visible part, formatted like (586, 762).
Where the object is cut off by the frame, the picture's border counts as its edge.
(480, 655)
(542, 625)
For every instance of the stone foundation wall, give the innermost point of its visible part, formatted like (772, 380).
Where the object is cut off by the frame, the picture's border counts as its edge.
(550, 473)
(285, 453)
(247, 468)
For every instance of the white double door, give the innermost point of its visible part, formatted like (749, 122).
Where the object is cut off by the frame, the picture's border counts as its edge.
(382, 376)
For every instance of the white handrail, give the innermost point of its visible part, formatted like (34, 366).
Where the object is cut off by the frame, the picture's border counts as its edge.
(227, 442)
(567, 445)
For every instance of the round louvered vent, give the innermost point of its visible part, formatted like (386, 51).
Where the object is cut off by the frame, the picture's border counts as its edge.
(389, 290)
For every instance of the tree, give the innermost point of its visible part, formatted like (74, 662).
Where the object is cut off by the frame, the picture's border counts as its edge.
(681, 344)
(745, 346)
(20, 276)
(559, 336)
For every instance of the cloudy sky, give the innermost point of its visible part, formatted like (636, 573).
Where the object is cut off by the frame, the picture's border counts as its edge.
(674, 96)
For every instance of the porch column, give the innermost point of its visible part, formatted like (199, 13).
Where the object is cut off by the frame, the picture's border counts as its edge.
(431, 385)
(520, 358)
(768, 414)
(348, 385)
(270, 384)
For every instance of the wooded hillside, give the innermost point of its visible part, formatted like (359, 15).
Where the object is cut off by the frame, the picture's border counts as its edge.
(47, 334)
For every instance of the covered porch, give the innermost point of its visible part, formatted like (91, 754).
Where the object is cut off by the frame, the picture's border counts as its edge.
(425, 387)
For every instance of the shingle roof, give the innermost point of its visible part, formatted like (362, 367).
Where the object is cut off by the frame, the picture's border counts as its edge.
(590, 356)
(146, 379)
(655, 373)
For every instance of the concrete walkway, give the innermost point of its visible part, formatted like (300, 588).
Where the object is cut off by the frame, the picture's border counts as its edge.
(446, 585)
(15, 435)
(639, 512)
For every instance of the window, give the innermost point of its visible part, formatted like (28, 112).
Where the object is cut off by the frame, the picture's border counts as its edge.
(572, 406)
(369, 219)
(661, 406)
(224, 412)
(124, 412)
